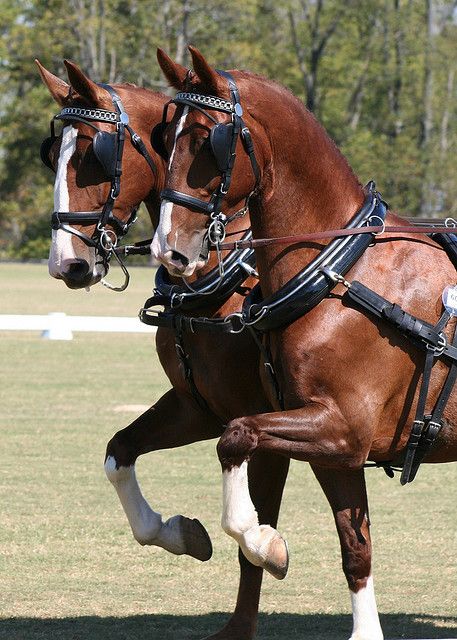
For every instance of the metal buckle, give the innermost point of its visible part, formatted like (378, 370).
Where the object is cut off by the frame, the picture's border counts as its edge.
(442, 344)
(239, 316)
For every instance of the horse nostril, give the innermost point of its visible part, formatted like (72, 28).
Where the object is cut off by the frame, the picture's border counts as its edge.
(178, 257)
(77, 271)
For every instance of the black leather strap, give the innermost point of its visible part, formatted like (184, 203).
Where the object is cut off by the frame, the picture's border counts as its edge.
(185, 200)
(170, 320)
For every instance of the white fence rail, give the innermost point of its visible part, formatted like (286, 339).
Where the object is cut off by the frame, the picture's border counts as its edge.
(59, 326)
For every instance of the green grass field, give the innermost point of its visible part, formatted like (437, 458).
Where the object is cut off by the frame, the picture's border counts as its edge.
(69, 567)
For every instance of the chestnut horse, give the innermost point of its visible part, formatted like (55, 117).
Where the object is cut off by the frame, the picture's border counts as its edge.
(176, 419)
(350, 382)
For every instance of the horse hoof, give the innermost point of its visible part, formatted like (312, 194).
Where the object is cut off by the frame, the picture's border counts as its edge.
(196, 539)
(266, 548)
(277, 561)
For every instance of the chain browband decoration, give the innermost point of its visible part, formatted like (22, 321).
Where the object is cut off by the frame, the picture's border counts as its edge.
(212, 102)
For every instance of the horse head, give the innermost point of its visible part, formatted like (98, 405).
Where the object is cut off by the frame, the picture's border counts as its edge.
(205, 188)
(103, 170)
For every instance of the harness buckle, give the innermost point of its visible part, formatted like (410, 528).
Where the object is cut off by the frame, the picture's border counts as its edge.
(440, 348)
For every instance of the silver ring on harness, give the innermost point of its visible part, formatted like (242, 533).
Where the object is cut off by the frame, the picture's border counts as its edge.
(383, 225)
(216, 229)
(450, 223)
(108, 239)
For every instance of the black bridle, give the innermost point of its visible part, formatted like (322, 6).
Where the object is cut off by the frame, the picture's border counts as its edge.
(223, 140)
(108, 149)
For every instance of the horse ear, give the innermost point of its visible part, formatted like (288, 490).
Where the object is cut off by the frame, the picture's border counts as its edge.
(58, 88)
(207, 75)
(175, 73)
(85, 87)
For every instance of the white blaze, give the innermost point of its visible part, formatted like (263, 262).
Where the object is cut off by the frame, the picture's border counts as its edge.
(159, 244)
(61, 246)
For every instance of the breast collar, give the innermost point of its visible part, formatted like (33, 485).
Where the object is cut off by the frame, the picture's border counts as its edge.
(309, 287)
(208, 291)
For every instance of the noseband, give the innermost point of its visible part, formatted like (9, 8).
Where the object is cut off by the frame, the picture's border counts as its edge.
(223, 140)
(108, 149)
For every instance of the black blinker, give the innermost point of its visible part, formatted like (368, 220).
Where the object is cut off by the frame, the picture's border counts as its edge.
(104, 145)
(157, 141)
(220, 139)
(45, 150)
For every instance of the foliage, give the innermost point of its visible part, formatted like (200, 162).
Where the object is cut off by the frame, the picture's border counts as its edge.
(380, 75)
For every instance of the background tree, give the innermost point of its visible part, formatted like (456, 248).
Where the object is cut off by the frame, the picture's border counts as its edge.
(379, 74)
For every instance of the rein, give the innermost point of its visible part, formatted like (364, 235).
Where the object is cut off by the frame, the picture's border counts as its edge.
(377, 230)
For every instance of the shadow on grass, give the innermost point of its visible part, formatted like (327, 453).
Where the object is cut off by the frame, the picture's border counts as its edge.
(277, 626)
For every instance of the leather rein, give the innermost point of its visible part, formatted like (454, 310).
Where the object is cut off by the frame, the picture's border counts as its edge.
(444, 226)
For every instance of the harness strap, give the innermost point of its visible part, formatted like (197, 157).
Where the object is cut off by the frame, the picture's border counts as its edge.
(264, 349)
(419, 420)
(433, 423)
(170, 320)
(425, 428)
(184, 359)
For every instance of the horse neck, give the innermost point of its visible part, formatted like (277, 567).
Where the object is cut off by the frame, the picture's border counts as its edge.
(308, 185)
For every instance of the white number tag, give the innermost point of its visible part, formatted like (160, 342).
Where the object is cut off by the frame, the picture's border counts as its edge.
(450, 300)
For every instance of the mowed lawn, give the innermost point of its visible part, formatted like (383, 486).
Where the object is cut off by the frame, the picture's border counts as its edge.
(69, 567)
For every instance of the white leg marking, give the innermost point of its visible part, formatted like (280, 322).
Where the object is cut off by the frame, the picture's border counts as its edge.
(159, 246)
(261, 544)
(366, 625)
(147, 525)
(238, 512)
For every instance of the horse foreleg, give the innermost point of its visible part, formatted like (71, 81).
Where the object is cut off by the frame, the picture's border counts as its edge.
(173, 421)
(266, 475)
(260, 543)
(312, 433)
(346, 493)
